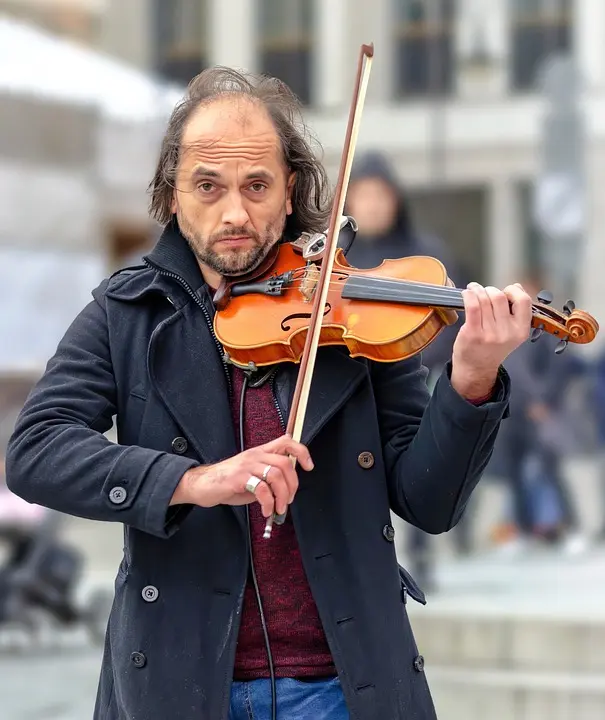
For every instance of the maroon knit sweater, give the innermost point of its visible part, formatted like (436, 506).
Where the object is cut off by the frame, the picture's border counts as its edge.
(298, 644)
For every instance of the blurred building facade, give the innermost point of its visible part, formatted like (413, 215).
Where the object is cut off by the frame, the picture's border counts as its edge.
(454, 96)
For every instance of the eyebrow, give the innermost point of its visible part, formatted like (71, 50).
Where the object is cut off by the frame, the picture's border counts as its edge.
(200, 171)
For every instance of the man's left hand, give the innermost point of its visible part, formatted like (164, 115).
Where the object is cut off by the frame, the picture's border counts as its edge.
(497, 322)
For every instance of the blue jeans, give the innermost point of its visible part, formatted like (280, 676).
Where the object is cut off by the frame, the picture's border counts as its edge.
(296, 700)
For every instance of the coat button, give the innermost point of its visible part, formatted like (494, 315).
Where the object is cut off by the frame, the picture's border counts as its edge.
(389, 532)
(138, 659)
(366, 460)
(419, 663)
(150, 593)
(180, 445)
(117, 495)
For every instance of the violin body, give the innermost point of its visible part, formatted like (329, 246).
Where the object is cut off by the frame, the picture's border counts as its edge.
(266, 329)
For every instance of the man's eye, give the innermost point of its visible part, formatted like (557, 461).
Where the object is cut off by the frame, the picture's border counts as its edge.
(206, 187)
(258, 187)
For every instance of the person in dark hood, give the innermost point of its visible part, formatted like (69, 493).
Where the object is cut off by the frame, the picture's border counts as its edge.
(378, 203)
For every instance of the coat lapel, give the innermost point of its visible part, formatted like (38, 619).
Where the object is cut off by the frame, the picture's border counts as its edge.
(335, 378)
(188, 374)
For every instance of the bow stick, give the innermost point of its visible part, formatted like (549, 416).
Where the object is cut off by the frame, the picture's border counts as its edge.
(307, 362)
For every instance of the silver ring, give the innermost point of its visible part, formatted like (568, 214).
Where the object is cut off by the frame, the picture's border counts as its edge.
(253, 483)
(266, 472)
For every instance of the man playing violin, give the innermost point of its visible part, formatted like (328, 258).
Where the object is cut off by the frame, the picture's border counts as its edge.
(210, 620)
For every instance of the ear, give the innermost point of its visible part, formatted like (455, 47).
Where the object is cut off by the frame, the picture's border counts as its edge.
(173, 206)
(289, 192)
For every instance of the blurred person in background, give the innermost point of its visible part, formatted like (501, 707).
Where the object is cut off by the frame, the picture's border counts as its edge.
(377, 200)
(530, 450)
(211, 620)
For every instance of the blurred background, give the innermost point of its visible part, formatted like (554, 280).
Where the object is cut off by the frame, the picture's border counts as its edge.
(482, 143)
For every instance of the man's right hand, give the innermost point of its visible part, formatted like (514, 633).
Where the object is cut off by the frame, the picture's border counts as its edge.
(225, 483)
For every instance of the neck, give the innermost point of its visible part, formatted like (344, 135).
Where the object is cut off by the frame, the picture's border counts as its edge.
(211, 277)
(359, 287)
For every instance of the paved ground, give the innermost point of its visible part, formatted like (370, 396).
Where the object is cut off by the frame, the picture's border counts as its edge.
(48, 685)
(60, 683)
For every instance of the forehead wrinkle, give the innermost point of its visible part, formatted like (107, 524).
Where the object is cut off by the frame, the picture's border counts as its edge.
(252, 151)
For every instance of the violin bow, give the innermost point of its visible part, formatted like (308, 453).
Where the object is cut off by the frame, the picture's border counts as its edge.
(307, 362)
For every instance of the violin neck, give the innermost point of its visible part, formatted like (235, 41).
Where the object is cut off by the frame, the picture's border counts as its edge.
(359, 287)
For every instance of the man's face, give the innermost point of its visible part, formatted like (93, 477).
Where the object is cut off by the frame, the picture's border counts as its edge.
(233, 192)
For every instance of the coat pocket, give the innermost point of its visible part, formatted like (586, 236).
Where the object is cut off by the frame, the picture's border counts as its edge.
(130, 417)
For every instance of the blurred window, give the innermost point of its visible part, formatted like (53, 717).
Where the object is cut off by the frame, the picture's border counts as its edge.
(425, 39)
(539, 29)
(180, 38)
(285, 30)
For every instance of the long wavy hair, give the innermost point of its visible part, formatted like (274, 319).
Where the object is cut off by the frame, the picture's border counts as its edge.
(311, 194)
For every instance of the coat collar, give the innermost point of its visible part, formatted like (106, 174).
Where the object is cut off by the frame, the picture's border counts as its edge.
(172, 254)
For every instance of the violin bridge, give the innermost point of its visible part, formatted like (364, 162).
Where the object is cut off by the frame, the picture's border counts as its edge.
(309, 282)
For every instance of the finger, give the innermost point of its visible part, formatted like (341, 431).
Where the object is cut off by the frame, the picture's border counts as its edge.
(472, 311)
(265, 499)
(285, 445)
(284, 464)
(276, 479)
(521, 304)
(488, 321)
(500, 306)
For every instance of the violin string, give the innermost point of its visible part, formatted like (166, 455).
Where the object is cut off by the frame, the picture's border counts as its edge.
(395, 283)
(409, 297)
(378, 278)
(442, 292)
(435, 293)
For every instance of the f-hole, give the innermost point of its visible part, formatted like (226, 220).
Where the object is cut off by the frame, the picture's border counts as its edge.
(297, 316)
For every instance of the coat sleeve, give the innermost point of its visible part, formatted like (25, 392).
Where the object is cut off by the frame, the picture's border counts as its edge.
(58, 455)
(435, 447)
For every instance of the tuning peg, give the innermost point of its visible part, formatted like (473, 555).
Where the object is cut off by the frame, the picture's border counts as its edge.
(536, 333)
(569, 307)
(561, 346)
(545, 297)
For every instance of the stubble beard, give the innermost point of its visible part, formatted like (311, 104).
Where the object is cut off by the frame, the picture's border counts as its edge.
(236, 261)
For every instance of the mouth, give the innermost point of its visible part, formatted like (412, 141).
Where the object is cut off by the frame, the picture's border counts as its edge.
(234, 241)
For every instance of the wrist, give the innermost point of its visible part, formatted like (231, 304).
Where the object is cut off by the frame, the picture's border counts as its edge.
(474, 386)
(187, 492)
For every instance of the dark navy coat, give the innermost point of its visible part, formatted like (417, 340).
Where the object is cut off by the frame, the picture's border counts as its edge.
(143, 352)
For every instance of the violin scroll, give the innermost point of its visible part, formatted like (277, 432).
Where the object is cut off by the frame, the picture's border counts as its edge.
(568, 324)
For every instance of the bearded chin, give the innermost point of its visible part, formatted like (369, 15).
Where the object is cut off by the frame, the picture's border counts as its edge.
(231, 263)
(236, 264)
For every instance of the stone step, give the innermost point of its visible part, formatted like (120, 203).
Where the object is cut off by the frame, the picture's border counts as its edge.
(511, 643)
(539, 612)
(472, 694)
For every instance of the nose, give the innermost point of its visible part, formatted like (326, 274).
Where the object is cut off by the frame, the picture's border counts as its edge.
(234, 212)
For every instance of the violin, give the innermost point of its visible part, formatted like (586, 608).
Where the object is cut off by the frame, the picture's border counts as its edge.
(306, 295)
(387, 313)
